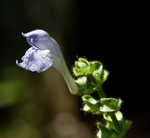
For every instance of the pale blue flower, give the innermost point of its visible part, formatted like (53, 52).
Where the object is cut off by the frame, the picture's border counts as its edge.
(44, 53)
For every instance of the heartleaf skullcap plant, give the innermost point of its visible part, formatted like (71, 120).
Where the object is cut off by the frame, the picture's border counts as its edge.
(44, 53)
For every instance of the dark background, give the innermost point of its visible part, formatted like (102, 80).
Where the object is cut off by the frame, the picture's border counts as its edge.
(84, 29)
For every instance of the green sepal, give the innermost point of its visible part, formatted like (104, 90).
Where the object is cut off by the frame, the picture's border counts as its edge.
(90, 105)
(90, 75)
(98, 71)
(89, 99)
(82, 67)
(109, 121)
(87, 84)
(104, 132)
(110, 104)
(118, 114)
(104, 76)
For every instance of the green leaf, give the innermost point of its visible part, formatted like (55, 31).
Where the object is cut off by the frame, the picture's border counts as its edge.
(11, 92)
(110, 104)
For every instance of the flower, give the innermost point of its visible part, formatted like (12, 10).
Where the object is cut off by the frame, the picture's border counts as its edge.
(44, 53)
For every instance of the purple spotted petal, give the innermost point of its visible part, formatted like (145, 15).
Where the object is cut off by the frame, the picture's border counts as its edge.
(36, 60)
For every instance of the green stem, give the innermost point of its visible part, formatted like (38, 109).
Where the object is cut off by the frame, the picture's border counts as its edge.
(113, 117)
(101, 92)
(115, 122)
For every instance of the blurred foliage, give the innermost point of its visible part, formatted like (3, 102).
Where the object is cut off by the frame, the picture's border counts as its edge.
(17, 116)
(11, 92)
(12, 87)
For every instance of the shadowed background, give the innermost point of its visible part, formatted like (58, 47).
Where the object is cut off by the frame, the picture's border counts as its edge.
(36, 105)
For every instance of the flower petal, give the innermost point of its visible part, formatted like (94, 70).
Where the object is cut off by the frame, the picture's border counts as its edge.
(36, 60)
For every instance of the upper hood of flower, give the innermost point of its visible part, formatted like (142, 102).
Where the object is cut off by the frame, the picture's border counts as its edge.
(37, 32)
(38, 38)
(42, 40)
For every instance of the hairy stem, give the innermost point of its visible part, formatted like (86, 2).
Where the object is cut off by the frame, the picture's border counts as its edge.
(115, 122)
